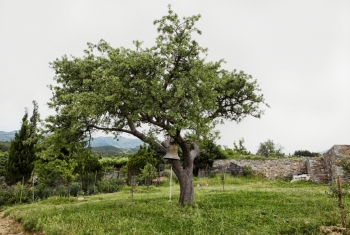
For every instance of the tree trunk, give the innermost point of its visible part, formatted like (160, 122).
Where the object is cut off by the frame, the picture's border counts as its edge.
(184, 170)
(186, 189)
(184, 173)
(185, 179)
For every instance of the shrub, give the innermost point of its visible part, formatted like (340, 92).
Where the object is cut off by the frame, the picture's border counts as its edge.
(248, 170)
(12, 194)
(212, 174)
(92, 190)
(61, 190)
(75, 188)
(41, 191)
(6, 196)
(110, 185)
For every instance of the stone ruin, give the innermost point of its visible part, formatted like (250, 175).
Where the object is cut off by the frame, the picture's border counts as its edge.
(331, 162)
(320, 169)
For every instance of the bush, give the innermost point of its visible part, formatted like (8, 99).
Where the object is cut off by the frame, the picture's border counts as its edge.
(75, 188)
(106, 185)
(92, 190)
(41, 191)
(61, 190)
(212, 174)
(248, 170)
(12, 194)
(6, 196)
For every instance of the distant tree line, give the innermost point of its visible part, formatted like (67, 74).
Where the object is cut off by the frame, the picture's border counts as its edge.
(306, 153)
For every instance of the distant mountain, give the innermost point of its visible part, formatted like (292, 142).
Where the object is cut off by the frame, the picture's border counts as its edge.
(7, 136)
(121, 142)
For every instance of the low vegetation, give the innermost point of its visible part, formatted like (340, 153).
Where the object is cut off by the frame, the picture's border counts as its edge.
(247, 205)
(4, 146)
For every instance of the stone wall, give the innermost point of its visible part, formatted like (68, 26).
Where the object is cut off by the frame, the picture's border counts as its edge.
(320, 170)
(332, 157)
(269, 168)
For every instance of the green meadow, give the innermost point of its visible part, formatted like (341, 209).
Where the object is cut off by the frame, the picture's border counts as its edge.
(241, 206)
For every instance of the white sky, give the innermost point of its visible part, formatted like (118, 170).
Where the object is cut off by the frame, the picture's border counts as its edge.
(298, 50)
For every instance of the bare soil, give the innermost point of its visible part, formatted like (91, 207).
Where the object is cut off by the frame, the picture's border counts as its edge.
(333, 230)
(9, 226)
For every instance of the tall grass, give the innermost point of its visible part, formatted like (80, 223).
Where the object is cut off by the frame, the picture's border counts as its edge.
(246, 206)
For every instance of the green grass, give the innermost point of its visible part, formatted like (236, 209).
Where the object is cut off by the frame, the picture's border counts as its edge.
(246, 206)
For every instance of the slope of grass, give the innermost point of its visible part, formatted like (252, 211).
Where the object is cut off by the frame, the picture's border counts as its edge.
(245, 206)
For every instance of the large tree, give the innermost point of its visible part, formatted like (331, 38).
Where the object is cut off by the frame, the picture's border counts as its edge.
(168, 90)
(22, 152)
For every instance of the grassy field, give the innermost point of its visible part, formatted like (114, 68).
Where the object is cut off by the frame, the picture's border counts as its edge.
(245, 206)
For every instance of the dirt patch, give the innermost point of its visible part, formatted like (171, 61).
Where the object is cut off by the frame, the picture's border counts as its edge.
(333, 230)
(9, 226)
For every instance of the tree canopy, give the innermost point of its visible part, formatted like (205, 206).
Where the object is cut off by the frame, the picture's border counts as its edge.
(167, 90)
(169, 87)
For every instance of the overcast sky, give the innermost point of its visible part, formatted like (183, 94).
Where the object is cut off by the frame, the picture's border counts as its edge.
(298, 50)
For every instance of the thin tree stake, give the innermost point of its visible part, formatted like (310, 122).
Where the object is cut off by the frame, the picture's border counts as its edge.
(341, 206)
(95, 182)
(223, 180)
(33, 198)
(20, 199)
(171, 176)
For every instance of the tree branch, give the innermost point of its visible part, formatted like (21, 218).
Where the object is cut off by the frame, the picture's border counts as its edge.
(107, 128)
(159, 123)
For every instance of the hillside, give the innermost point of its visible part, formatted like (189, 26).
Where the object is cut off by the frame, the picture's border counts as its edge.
(121, 142)
(7, 136)
(111, 151)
